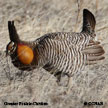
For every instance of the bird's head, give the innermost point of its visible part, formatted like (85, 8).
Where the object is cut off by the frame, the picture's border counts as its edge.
(16, 48)
(11, 48)
(14, 39)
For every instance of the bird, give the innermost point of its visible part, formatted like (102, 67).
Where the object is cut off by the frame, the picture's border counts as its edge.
(60, 53)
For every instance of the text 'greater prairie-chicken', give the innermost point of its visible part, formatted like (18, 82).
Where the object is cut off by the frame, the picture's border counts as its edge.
(60, 52)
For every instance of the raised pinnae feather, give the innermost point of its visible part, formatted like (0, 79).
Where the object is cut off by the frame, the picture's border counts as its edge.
(12, 32)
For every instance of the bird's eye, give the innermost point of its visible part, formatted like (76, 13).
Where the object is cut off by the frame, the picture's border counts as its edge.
(11, 47)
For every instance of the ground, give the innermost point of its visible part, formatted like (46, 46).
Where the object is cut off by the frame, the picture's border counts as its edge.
(34, 18)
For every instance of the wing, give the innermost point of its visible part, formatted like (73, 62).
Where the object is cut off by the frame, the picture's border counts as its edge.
(54, 54)
(60, 55)
(71, 37)
(58, 36)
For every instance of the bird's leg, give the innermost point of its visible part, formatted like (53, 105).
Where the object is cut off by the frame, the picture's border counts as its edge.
(58, 76)
(69, 90)
(62, 79)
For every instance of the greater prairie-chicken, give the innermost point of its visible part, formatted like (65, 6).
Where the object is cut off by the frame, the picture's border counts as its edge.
(59, 53)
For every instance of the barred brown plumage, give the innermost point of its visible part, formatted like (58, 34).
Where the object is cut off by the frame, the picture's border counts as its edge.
(62, 52)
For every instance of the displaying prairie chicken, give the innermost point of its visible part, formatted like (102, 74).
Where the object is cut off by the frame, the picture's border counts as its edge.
(59, 53)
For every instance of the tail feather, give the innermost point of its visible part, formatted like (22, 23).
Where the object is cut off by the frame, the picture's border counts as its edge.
(94, 50)
(93, 43)
(90, 62)
(89, 21)
(93, 53)
(95, 58)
